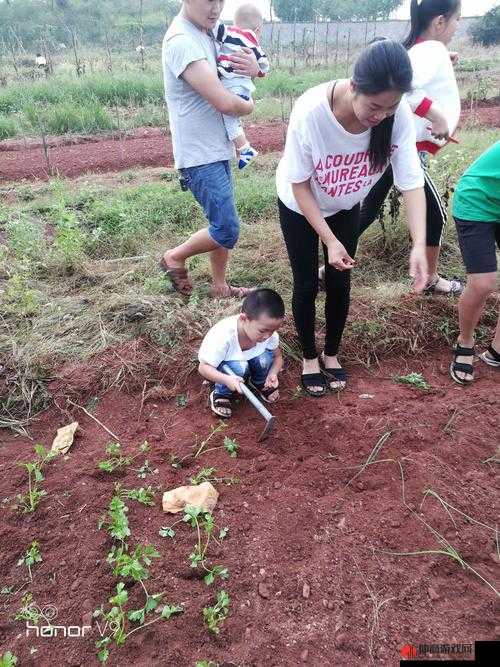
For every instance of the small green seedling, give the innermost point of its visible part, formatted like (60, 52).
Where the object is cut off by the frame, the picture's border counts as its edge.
(31, 557)
(203, 522)
(28, 502)
(116, 519)
(216, 615)
(166, 531)
(177, 462)
(116, 460)
(414, 379)
(28, 611)
(8, 659)
(116, 618)
(181, 400)
(231, 447)
(145, 496)
(145, 470)
(204, 475)
(133, 564)
(202, 448)
(115, 621)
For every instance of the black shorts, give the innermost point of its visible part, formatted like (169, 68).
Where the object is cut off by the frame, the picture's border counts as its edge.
(477, 245)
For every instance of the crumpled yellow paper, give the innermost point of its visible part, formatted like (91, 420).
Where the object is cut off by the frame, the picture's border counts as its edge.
(203, 495)
(64, 438)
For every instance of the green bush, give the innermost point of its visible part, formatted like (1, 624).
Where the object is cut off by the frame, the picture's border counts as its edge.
(8, 128)
(68, 117)
(486, 30)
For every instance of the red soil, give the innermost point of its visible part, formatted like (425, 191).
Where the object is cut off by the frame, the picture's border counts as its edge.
(145, 147)
(292, 520)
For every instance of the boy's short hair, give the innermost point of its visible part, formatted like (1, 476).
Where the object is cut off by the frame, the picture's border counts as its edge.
(248, 16)
(261, 301)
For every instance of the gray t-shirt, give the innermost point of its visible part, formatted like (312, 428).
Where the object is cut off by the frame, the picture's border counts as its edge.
(198, 132)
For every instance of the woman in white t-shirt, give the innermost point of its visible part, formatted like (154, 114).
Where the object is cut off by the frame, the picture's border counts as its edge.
(340, 139)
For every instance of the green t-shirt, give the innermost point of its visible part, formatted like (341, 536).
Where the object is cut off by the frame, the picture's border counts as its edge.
(477, 195)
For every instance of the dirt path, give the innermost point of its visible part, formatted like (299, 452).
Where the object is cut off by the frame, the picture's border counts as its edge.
(311, 580)
(145, 147)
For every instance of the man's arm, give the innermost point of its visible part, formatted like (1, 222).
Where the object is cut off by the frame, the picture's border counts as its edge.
(205, 81)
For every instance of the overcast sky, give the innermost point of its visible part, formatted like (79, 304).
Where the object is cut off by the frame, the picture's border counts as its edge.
(469, 8)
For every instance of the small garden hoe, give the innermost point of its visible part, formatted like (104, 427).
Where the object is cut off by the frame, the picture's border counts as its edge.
(270, 420)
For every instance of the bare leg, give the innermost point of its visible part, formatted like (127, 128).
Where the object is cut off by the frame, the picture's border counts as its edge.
(240, 141)
(496, 341)
(440, 284)
(218, 262)
(197, 243)
(470, 307)
(432, 262)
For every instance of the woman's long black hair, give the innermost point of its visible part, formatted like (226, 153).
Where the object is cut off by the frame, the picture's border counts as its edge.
(421, 14)
(382, 66)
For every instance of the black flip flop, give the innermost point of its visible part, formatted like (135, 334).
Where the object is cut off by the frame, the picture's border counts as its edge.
(334, 375)
(459, 351)
(309, 380)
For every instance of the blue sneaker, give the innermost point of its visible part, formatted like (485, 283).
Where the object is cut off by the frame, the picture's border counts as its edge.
(246, 156)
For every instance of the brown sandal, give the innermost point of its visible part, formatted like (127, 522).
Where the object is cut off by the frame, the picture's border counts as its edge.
(231, 291)
(178, 276)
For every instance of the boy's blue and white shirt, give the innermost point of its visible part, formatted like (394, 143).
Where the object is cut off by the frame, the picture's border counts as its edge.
(221, 344)
(231, 40)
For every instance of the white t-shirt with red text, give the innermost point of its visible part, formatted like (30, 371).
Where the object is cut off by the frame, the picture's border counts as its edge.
(336, 162)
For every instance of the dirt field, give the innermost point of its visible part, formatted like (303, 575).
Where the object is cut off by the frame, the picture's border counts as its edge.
(311, 581)
(145, 147)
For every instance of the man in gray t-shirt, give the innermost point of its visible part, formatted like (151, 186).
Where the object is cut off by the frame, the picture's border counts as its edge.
(196, 100)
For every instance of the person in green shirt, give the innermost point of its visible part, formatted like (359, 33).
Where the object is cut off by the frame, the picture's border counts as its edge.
(476, 209)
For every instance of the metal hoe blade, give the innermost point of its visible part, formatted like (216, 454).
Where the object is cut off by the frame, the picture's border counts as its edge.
(268, 429)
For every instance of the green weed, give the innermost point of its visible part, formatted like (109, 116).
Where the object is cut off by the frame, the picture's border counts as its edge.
(413, 379)
(8, 659)
(28, 502)
(31, 557)
(216, 615)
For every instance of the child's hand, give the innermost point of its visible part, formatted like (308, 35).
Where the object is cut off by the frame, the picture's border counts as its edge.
(233, 383)
(454, 57)
(271, 381)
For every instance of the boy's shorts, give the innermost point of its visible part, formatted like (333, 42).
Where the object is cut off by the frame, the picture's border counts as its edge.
(478, 242)
(212, 187)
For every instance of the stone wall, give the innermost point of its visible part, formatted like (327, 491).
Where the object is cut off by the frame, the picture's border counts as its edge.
(331, 34)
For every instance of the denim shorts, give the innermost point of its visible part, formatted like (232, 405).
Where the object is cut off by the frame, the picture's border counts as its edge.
(477, 241)
(212, 187)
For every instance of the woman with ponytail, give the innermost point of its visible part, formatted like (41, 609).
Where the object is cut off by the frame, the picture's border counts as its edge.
(435, 102)
(341, 137)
